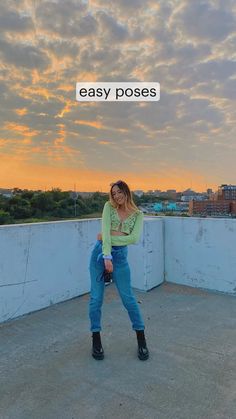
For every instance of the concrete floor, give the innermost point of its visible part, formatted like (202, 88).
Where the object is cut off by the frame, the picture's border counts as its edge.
(47, 372)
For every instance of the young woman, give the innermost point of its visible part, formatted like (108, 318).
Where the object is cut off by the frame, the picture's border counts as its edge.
(121, 225)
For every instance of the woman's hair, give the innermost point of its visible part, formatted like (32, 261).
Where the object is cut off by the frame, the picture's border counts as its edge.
(129, 203)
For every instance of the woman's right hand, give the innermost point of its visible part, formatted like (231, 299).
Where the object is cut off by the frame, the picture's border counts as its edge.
(99, 236)
(108, 265)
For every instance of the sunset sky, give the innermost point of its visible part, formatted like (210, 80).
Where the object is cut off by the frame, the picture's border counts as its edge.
(186, 140)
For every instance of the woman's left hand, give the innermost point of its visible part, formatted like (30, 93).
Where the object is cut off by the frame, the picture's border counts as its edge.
(99, 236)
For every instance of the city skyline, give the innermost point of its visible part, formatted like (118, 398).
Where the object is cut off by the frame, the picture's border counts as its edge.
(75, 189)
(49, 140)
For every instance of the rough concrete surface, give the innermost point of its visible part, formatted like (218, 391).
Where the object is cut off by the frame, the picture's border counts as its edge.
(47, 372)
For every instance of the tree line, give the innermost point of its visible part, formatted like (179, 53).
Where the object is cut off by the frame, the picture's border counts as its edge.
(31, 206)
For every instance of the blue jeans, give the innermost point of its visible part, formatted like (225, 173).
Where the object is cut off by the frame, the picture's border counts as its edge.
(121, 277)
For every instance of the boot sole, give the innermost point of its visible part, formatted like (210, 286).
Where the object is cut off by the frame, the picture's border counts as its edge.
(98, 357)
(143, 359)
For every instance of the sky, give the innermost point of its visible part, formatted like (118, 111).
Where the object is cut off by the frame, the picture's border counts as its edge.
(186, 140)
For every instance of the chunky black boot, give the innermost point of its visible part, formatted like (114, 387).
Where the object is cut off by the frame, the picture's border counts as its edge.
(97, 350)
(143, 352)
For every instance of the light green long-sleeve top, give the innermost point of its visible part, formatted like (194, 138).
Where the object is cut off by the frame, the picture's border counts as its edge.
(132, 226)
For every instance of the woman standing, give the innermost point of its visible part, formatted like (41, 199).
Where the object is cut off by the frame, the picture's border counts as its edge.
(121, 225)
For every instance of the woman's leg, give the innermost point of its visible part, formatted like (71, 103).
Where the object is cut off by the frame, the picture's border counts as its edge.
(96, 268)
(121, 277)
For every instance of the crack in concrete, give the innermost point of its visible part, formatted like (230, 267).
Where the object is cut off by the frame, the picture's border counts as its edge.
(200, 349)
(18, 283)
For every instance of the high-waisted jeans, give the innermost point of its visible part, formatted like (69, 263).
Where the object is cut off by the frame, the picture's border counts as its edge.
(121, 278)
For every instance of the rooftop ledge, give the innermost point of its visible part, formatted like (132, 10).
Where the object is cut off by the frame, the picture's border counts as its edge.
(45, 263)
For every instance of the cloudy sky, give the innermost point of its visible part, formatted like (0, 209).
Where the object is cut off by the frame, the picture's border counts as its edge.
(48, 139)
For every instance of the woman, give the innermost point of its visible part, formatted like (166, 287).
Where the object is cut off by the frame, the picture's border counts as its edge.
(121, 225)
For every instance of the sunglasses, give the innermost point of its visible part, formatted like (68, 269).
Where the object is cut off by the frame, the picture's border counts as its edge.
(116, 183)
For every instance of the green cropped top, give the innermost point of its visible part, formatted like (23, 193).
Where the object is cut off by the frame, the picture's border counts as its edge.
(132, 226)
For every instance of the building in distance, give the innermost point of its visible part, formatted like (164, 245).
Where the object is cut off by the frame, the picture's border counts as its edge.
(138, 193)
(223, 204)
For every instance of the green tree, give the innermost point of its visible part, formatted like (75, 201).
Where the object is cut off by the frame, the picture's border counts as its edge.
(27, 195)
(3, 202)
(4, 217)
(19, 208)
(43, 202)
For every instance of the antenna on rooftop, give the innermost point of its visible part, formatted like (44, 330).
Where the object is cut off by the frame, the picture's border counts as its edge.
(75, 196)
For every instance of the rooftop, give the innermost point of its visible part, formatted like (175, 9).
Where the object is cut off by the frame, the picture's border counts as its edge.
(47, 370)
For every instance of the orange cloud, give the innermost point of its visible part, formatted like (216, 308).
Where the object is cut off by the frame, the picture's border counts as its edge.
(66, 87)
(35, 76)
(87, 77)
(62, 134)
(21, 111)
(31, 92)
(67, 108)
(94, 124)
(23, 130)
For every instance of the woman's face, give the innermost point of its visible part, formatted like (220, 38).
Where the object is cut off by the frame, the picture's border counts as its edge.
(118, 195)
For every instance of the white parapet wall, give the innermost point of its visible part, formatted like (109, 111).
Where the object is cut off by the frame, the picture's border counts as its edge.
(146, 257)
(201, 252)
(45, 263)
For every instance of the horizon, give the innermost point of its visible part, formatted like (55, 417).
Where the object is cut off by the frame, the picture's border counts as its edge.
(101, 191)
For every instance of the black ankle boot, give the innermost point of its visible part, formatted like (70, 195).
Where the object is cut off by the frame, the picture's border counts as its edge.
(143, 352)
(97, 350)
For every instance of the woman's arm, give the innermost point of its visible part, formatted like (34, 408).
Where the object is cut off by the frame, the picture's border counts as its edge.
(106, 227)
(132, 237)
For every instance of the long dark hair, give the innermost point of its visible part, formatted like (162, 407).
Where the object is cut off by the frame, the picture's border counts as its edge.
(129, 203)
